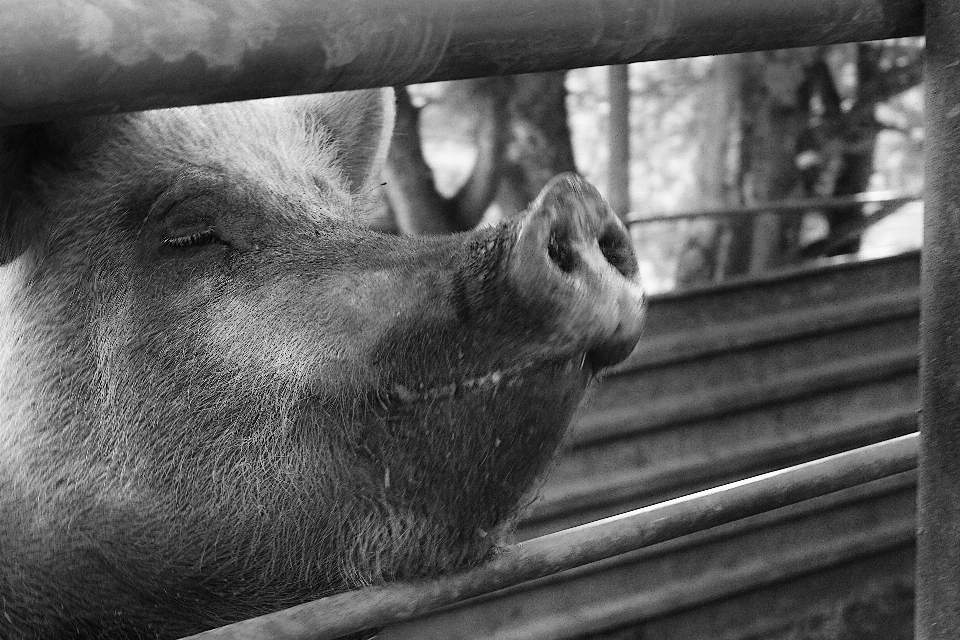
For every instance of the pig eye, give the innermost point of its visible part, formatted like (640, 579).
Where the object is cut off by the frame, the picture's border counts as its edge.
(205, 236)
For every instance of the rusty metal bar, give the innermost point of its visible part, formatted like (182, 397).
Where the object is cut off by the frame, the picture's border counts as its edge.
(938, 536)
(76, 57)
(787, 207)
(347, 613)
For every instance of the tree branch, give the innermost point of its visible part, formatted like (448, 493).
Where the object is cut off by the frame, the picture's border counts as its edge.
(478, 192)
(417, 206)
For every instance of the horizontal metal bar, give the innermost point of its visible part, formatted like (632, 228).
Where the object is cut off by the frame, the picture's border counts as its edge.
(374, 607)
(75, 57)
(785, 207)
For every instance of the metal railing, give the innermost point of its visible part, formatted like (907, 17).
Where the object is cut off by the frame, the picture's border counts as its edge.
(63, 59)
(351, 612)
(78, 58)
(886, 202)
(880, 203)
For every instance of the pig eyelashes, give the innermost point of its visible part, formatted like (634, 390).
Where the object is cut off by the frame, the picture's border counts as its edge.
(206, 236)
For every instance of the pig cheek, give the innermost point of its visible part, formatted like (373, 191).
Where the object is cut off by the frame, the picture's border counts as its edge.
(314, 332)
(286, 340)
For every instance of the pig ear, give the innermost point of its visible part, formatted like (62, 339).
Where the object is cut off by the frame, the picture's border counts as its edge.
(22, 149)
(361, 123)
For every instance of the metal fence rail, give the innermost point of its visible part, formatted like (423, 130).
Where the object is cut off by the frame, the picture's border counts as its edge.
(882, 204)
(74, 57)
(347, 613)
(938, 515)
(884, 200)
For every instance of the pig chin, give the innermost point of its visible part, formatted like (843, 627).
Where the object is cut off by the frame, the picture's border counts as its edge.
(491, 382)
(457, 462)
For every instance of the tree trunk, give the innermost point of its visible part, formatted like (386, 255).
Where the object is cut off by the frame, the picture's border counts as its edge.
(416, 205)
(540, 145)
(752, 114)
(523, 140)
(704, 255)
(774, 115)
(844, 139)
(784, 131)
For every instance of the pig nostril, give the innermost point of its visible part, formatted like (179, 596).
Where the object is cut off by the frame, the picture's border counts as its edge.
(561, 254)
(615, 248)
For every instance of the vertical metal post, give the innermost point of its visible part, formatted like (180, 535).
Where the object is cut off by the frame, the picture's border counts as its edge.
(618, 82)
(938, 536)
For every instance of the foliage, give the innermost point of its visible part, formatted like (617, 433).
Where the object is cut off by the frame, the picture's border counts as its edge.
(860, 98)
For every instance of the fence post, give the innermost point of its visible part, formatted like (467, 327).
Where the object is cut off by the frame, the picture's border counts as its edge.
(938, 550)
(619, 137)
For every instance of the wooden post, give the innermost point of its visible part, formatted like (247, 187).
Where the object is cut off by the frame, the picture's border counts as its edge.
(938, 536)
(618, 169)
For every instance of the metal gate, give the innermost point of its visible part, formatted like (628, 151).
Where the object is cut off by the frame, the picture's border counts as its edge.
(79, 58)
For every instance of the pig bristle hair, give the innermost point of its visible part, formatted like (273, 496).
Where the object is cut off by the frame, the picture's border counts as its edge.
(200, 444)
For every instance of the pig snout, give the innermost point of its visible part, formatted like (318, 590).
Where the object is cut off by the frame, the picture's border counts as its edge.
(574, 263)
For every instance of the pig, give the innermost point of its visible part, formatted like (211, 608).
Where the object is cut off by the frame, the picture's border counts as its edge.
(222, 393)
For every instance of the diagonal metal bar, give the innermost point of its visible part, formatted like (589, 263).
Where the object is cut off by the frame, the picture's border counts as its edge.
(347, 613)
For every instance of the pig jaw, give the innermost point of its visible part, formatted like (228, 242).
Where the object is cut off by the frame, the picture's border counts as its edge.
(458, 463)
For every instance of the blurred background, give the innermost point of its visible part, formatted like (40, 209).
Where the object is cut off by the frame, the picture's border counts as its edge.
(682, 136)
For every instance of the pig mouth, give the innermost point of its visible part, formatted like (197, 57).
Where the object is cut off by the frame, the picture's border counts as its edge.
(499, 379)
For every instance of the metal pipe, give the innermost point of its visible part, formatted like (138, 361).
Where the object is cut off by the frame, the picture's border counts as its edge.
(77, 57)
(784, 207)
(938, 517)
(347, 613)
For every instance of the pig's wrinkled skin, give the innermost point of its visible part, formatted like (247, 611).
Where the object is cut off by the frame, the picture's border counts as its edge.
(223, 395)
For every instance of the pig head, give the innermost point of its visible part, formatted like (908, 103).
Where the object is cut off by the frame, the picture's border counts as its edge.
(222, 394)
